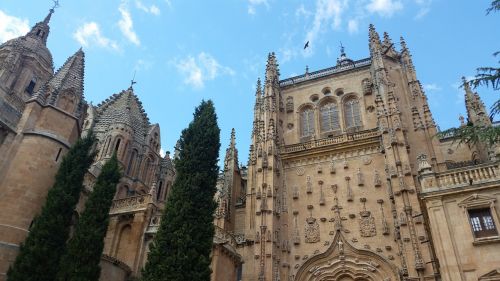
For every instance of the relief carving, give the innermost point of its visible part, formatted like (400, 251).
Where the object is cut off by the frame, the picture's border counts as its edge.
(311, 230)
(366, 222)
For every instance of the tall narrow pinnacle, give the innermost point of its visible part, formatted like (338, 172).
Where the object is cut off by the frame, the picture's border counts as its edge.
(232, 143)
(47, 18)
(402, 41)
(476, 111)
(387, 39)
(373, 35)
(258, 90)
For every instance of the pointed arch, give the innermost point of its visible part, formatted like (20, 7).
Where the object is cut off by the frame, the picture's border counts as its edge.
(342, 261)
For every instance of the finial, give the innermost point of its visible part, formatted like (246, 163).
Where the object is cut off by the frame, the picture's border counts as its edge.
(403, 43)
(307, 69)
(465, 84)
(387, 39)
(258, 90)
(51, 11)
(342, 52)
(462, 120)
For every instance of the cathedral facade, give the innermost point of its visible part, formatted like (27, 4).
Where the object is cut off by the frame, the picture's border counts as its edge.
(346, 179)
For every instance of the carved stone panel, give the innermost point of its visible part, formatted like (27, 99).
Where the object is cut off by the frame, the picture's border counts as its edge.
(311, 230)
(367, 224)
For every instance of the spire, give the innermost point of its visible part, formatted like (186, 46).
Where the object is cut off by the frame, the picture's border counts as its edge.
(388, 45)
(476, 111)
(272, 71)
(67, 82)
(407, 61)
(231, 153)
(41, 30)
(258, 88)
(374, 38)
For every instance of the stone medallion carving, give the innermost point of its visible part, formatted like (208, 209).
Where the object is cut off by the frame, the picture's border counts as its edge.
(367, 224)
(311, 230)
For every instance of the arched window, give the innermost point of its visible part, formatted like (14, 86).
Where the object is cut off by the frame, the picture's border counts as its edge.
(307, 122)
(158, 193)
(131, 162)
(352, 115)
(148, 166)
(31, 86)
(117, 145)
(329, 117)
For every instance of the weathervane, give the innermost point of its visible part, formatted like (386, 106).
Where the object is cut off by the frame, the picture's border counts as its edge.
(56, 4)
(132, 82)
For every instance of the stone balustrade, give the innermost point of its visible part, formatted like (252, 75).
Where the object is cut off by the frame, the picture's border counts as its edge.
(468, 176)
(325, 72)
(347, 137)
(131, 204)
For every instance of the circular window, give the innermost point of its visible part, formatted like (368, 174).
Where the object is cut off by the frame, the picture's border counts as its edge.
(327, 91)
(339, 92)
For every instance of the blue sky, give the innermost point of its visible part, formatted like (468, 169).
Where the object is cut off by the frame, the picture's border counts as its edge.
(185, 51)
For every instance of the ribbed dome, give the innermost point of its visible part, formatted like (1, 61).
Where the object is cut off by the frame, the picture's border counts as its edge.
(28, 45)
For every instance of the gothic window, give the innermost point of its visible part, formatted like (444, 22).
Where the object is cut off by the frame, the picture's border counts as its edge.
(482, 223)
(329, 117)
(148, 166)
(117, 145)
(307, 122)
(131, 162)
(31, 86)
(160, 190)
(352, 114)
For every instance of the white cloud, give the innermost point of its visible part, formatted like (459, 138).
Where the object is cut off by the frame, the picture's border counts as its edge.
(432, 87)
(143, 65)
(153, 9)
(302, 12)
(12, 27)
(353, 26)
(424, 8)
(162, 152)
(126, 24)
(204, 67)
(327, 12)
(89, 34)
(252, 5)
(385, 8)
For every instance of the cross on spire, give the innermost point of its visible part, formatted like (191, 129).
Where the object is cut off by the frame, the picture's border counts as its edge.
(132, 82)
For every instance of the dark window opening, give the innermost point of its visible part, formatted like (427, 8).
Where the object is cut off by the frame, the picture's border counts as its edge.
(58, 154)
(158, 194)
(31, 86)
(117, 146)
(482, 223)
(38, 32)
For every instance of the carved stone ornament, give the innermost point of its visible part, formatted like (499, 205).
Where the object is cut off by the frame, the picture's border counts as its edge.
(300, 171)
(308, 184)
(311, 230)
(367, 224)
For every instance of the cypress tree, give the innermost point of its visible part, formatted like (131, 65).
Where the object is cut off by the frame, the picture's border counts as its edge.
(39, 255)
(81, 261)
(181, 248)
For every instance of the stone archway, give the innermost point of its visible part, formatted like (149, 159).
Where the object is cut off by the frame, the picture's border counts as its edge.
(344, 262)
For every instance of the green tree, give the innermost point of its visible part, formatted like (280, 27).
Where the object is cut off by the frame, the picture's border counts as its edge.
(39, 255)
(182, 245)
(81, 261)
(486, 76)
